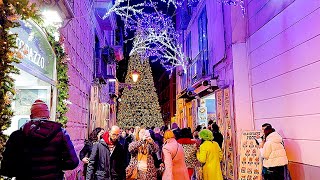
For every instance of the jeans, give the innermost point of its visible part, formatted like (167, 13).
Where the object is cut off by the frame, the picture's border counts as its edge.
(273, 173)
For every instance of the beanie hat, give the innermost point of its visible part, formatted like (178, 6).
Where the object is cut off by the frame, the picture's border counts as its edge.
(174, 126)
(39, 109)
(206, 135)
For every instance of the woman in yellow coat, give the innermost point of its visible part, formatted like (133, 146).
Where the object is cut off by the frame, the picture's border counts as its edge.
(210, 155)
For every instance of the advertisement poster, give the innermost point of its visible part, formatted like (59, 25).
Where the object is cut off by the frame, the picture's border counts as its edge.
(250, 163)
(228, 138)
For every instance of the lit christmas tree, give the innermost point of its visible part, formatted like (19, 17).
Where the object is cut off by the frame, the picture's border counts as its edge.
(139, 103)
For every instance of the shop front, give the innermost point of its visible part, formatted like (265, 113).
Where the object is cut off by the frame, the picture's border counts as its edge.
(37, 78)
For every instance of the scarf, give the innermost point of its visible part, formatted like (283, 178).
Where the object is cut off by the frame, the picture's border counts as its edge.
(110, 144)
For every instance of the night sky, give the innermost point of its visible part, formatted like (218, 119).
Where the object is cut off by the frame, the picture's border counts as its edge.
(157, 68)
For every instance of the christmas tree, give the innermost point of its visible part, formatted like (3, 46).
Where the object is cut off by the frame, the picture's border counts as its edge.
(139, 102)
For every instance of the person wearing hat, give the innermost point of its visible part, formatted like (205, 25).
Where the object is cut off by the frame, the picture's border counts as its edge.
(41, 149)
(210, 155)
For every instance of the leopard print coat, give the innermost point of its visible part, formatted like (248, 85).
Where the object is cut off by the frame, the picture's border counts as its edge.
(190, 152)
(151, 173)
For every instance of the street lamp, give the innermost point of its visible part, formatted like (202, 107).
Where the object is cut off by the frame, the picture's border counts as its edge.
(135, 75)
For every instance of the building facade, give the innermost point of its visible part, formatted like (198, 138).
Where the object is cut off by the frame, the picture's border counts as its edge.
(166, 90)
(264, 62)
(90, 42)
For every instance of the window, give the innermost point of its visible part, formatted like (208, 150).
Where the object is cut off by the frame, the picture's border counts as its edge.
(203, 41)
(189, 55)
(188, 46)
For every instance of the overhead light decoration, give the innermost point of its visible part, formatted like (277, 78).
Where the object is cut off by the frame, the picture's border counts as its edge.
(155, 32)
(156, 37)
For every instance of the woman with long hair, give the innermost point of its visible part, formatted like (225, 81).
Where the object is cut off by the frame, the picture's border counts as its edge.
(173, 157)
(141, 166)
(85, 152)
(274, 155)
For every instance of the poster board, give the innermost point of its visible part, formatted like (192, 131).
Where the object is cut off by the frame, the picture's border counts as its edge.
(228, 136)
(250, 161)
(220, 123)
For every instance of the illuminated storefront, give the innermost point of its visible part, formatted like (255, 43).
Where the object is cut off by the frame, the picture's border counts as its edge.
(37, 78)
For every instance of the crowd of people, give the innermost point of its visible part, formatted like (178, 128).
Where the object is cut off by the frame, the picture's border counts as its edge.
(153, 153)
(42, 150)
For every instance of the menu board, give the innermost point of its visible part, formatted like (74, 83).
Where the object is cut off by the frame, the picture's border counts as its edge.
(250, 162)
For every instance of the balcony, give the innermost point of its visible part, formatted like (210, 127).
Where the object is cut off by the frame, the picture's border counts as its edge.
(198, 68)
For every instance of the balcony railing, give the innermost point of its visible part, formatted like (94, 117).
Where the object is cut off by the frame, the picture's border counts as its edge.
(198, 68)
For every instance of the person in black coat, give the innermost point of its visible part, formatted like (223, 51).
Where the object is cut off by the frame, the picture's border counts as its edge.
(40, 150)
(108, 158)
(217, 136)
(85, 152)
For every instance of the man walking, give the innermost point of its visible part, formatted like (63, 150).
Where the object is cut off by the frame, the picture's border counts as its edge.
(108, 158)
(40, 150)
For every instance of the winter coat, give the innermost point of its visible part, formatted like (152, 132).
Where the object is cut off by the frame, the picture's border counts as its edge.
(273, 151)
(174, 162)
(40, 150)
(105, 166)
(133, 149)
(218, 138)
(210, 155)
(190, 151)
(85, 152)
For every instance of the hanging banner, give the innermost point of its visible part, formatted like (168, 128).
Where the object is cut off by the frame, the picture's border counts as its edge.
(250, 163)
(220, 123)
(229, 150)
(219, 95)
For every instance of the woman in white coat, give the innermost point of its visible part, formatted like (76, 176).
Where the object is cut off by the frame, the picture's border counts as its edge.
(274, 155)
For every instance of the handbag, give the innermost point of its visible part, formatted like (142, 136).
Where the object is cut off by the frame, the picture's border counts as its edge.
(134, 174)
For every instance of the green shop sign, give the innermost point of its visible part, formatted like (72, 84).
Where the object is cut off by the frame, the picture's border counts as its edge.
(36, 54)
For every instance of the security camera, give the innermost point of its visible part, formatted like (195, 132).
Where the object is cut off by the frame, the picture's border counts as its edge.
(211, 82)
(205, 83)
(189, 93)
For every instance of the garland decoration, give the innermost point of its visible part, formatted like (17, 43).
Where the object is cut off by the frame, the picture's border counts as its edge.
(62, 79)
(10, 12)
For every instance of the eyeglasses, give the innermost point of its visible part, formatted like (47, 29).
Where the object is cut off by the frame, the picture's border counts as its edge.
(114, 134)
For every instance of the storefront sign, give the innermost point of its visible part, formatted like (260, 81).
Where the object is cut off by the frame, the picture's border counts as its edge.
(33, 49)
(202, 116)
(250, 163)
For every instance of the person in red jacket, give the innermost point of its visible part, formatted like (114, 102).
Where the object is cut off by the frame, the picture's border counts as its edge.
(40, 150)
(189, 148)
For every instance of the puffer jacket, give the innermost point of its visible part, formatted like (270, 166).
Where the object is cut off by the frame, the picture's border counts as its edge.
(273, 151)
(41, 150)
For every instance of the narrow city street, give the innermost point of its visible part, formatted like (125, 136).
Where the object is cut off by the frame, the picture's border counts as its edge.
(159, 89)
